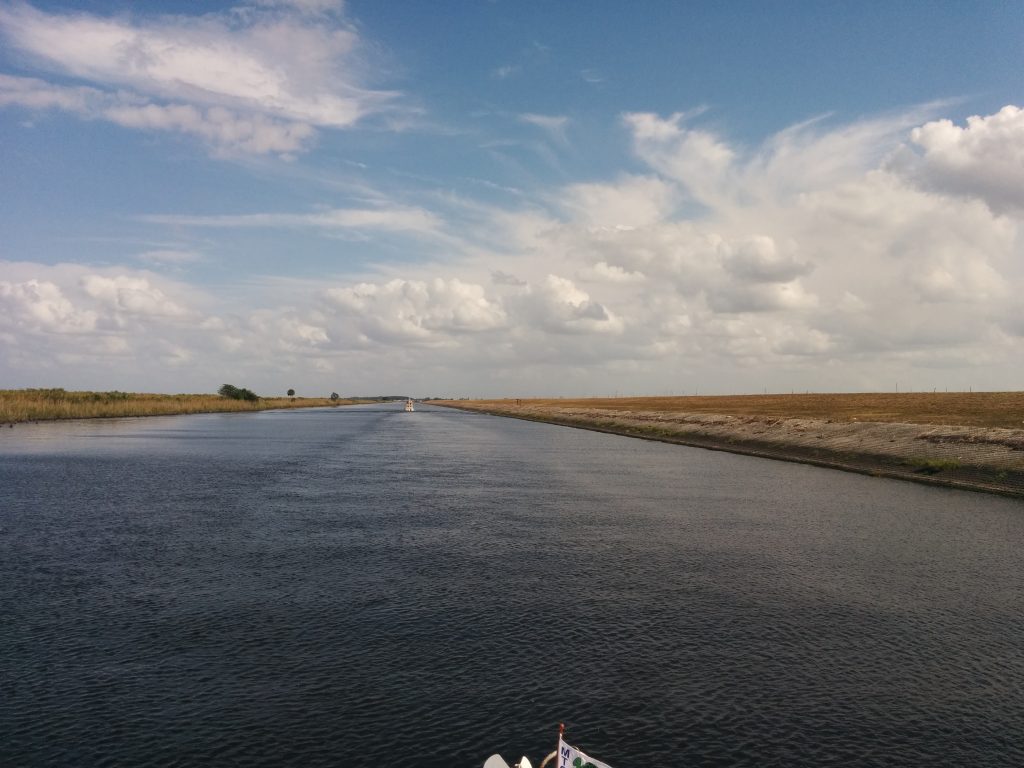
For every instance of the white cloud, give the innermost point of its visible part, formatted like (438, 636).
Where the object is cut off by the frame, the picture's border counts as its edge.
(219, 127)
(169, 256)
(417, 311)
(758, 259)
(632, 201)
(222, 129)
(285, 330)
(559, 306)
(255, 81)
(602, 271)
(393, 219)
(40, 305)
(37, 94)
(841, 275)
(132, 295)
(313, 7)
(554, 125)
(984, 159)
(733, 297)
(498, 277)
(698, 160)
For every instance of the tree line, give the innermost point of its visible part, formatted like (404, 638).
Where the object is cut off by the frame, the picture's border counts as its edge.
(232, 392)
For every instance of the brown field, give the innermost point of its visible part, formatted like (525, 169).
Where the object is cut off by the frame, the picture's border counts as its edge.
(976, 409)
(18, 405)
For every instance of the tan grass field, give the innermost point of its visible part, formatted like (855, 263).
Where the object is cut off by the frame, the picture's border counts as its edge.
(19, 405)
(976, 409)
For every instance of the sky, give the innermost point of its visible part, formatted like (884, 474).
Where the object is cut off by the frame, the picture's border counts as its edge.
(512, 198)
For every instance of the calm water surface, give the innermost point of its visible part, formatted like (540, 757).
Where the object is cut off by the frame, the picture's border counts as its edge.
(362, 586)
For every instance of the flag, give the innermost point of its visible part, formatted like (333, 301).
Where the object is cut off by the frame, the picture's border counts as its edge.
(570, 757)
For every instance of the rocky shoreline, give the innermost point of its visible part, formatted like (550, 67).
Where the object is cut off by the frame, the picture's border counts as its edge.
(983, 459)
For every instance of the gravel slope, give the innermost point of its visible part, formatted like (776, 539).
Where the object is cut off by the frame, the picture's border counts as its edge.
(973, 458)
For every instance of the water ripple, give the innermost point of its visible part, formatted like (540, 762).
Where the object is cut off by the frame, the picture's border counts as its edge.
(426, 589)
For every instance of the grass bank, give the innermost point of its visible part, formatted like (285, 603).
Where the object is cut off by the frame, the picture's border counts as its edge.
(20, 405)
(972, 441)
(971, 409)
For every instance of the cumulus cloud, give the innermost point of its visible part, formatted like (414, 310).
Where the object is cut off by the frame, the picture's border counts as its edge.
(731, 297)
(284, 330)
(983, 159)
(602, 271)
(558, 305)
(40, 305)
(633, 201)
(260, 81)
(132, 295)
(758, 259)
(417, 311)
(837, 275)
(75, 299)
(504, 278)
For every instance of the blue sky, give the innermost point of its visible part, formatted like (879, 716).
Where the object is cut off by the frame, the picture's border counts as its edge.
(509, 198)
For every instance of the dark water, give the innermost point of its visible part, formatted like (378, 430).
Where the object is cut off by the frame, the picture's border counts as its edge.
(362, 586)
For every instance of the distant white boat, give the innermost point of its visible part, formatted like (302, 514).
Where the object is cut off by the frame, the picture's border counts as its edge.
(408, 405)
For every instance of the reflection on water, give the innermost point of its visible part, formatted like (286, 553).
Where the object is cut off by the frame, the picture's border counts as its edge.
(361, 586)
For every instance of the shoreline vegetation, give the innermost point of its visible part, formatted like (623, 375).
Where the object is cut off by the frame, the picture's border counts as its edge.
(25, 405)
(971, 441)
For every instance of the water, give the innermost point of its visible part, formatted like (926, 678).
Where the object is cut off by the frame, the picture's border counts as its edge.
(362, 586)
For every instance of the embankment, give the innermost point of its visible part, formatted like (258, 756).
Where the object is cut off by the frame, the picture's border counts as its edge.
(23, 405)
(989, 459)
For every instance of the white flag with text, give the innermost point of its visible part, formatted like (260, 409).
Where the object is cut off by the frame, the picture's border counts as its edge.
(570, 757)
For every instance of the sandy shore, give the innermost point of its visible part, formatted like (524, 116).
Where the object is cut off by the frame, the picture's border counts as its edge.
(967, 457)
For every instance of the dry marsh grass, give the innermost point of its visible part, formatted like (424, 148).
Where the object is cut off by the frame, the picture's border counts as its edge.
(18, 405)
(976, 409)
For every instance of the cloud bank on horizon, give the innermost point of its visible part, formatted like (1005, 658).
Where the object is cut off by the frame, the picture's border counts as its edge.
(281, 195)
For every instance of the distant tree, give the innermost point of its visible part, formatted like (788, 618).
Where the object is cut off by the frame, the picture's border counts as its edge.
(291, 393)
(335, 396)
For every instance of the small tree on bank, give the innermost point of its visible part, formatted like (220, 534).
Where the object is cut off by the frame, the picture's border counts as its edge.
(232, 392)
(335, 396)
(291, 393)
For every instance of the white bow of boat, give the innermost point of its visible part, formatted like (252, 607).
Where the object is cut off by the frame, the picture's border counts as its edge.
(570, 756)
(496, 761)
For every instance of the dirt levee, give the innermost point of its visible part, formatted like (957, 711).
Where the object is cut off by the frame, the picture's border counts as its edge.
(972, 441)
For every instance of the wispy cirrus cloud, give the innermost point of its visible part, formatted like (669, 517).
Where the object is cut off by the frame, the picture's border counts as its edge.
(259, 79)
(554, 125)
(222, 130)
(392, 219)
(169, 257)
(312, 7)
(505, 71)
